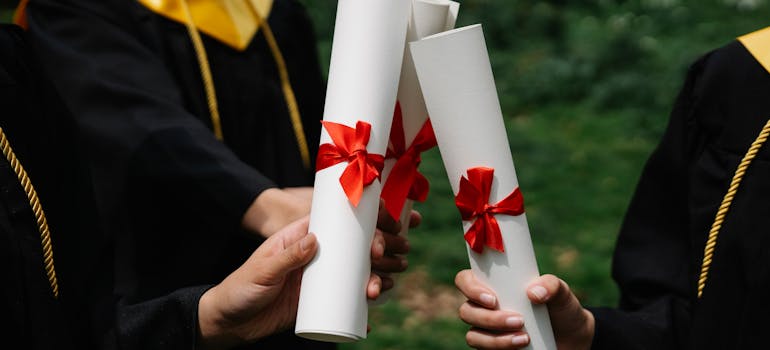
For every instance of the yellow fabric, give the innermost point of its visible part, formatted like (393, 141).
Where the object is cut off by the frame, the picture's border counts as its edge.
(230, 21)
(758, 44)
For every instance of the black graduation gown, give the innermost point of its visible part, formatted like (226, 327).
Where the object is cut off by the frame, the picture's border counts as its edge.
(43, 136)
(169, 194)
(40, 131)
(723, 106)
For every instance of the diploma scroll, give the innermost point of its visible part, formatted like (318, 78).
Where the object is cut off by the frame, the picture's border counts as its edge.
(367, 52)
(428, 17)
(459, 89)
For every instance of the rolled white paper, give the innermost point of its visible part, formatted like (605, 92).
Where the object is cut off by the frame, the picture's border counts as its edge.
(428, 17)
(456, 79)
(369, 38)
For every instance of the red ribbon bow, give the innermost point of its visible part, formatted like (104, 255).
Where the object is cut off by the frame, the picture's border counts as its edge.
(473, 202)
(404, 180)
(350, 146)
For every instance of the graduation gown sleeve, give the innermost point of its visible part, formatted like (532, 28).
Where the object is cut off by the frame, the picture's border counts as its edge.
(652, 261)
(131, 112)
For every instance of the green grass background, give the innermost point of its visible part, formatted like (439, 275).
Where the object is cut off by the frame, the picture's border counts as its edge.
(585, 87)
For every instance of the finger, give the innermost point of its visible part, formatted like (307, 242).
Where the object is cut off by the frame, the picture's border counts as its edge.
(415, 219)
(481, 339)
(496, 320)
(283, 238)
(550, 289)
(274, 268)
(385, 222)
(564, 307)
(378, 246)
(390, 264)
(387, 282)
(395, 244)
(373, 287)
(475, 290)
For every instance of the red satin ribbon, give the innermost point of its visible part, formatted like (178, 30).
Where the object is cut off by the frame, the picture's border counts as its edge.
(404, 181)
(473, 202)
(350, 146)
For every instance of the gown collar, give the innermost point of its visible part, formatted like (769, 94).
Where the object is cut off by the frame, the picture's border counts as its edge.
(232, 22)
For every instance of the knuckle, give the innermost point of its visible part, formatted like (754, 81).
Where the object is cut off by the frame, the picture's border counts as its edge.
(464, 311)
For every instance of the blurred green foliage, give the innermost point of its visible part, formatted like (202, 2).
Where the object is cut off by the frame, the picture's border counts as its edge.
(6, 14)
(586, 88)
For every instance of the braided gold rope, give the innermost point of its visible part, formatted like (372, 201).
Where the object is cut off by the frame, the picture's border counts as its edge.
(203, 63)
(288, 92)
(34, 202)
(711, 243)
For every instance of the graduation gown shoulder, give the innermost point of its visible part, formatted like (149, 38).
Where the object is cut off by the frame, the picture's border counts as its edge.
(720, 111)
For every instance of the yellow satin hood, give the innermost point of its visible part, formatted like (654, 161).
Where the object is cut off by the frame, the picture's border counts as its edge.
(758, 44)
(233, 22)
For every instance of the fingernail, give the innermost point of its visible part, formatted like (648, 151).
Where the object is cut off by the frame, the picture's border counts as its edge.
(404, 263)
(488, 299)
(514, 322)
(519, 340)
(305, 243)
(539, 292)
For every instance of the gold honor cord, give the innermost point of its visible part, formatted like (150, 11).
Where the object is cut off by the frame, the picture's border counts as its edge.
(34, 202)
(288, 92)
(203, 63)
(708, 253)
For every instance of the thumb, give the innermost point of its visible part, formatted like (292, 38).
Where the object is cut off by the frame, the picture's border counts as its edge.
(551, 290)
(293, 257)
(568, 317)
(563, 306)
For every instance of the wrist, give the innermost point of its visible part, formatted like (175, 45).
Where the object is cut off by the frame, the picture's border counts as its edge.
(212, 333)
(272, 210)
(589, 330)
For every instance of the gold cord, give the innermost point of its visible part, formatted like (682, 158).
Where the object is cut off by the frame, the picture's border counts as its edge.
(34, 202)
(711, 243)
(203, 63)
(288, 92)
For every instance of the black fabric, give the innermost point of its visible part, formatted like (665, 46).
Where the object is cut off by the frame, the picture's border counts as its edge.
(33, 120)
(722, 108)
(42, 134)
(169, 194)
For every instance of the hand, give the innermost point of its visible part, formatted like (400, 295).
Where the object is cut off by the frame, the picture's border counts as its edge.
(305, 192)
(275, 208)
(492, 328)
(390, 258)
(260, 297)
